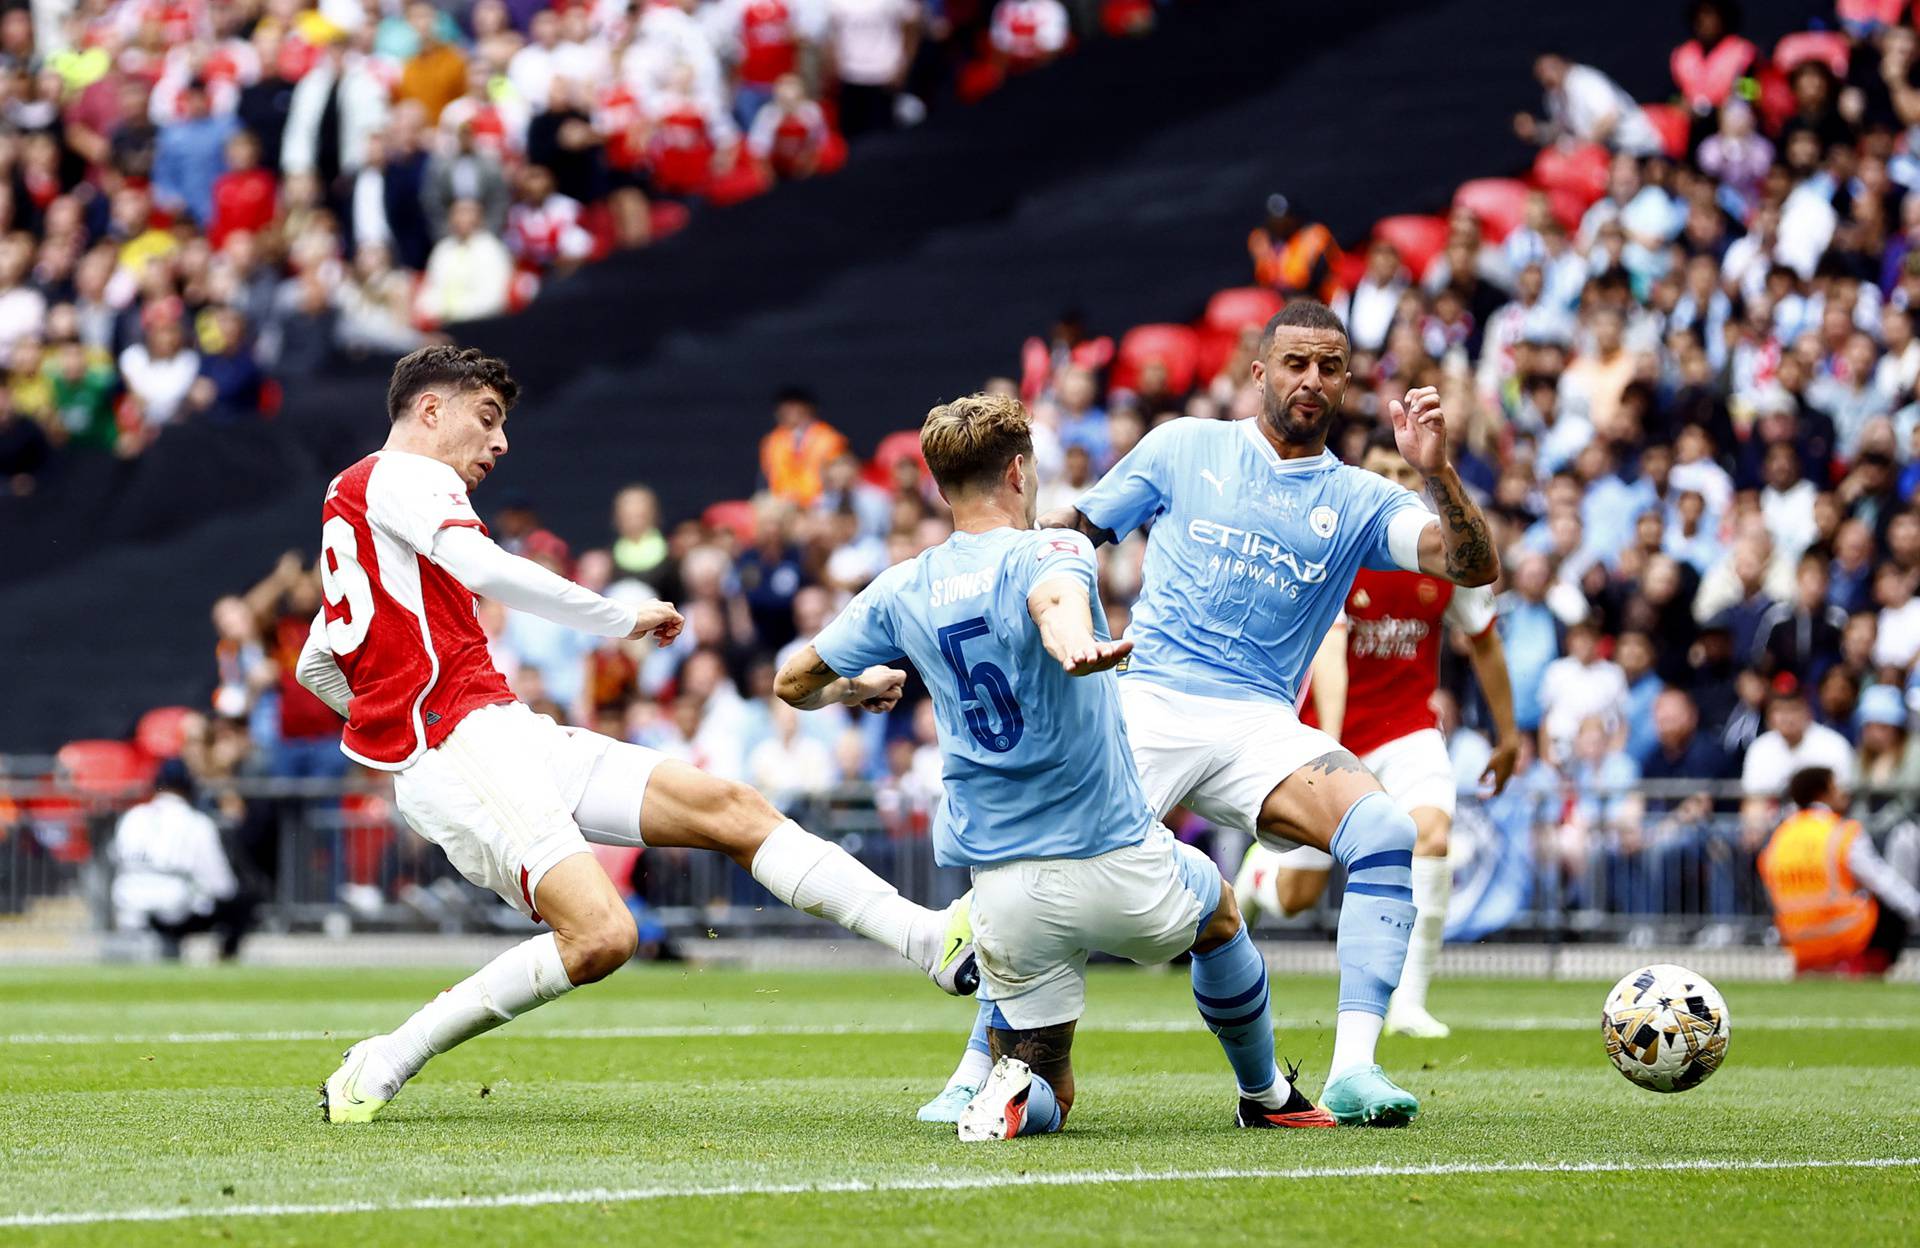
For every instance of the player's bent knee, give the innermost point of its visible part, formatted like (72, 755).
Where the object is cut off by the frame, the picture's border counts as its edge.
(600, 949)
(1430, 829)
(1298, 890)
(1224, 924)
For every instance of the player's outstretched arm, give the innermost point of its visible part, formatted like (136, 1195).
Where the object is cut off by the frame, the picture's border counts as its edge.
(806, 683)
(1459, 547)
(483, 567)
(1070, 518)
(1064, 614)
(1489, 659)
(319, 672)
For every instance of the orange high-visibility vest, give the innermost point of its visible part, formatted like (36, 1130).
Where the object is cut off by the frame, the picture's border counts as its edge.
(793, 465)
(1822, 913)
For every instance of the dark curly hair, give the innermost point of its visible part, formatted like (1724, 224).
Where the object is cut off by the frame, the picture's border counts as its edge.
(460, 368)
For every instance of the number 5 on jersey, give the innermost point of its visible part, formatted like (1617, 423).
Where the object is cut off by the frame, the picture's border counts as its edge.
(344, 584)
(984, 682)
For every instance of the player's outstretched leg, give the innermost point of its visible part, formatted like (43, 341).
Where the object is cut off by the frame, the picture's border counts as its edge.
(1432, 889)
(1230, 989)
(1373, 839)
(593, 936)
(967, 1078)
(676, 805)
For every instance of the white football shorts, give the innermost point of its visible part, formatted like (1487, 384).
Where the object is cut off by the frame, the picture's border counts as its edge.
(510, 793)
(1414, 770)
(1035, 921)
(1218, 757)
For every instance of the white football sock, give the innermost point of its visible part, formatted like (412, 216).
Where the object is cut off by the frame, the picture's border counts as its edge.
(820, 878)
(972, 1071)
(1432, 889)
(528, 975)
(1355, 1035)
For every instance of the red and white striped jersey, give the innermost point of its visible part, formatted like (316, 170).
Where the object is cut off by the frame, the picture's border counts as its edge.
(401, 628)
(1394, 626)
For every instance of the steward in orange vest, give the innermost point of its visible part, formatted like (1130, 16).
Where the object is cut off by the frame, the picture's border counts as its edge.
(1829, 919)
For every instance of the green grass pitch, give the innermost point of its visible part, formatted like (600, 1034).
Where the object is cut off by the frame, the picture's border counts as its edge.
(671, 1106)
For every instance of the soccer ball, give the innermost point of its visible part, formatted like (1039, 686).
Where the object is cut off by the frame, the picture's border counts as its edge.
(1666, 1028)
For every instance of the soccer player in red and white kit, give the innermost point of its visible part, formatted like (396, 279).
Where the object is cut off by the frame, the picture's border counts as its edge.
(1373, 683)
(511, 797)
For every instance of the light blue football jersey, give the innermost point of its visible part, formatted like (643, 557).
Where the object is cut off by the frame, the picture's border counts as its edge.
(1036, 762)
(1249, 556)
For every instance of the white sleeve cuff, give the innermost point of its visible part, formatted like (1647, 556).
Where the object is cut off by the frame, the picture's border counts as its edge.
(1403, 535)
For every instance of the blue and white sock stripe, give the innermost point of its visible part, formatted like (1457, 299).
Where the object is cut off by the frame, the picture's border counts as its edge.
(1247, 1006)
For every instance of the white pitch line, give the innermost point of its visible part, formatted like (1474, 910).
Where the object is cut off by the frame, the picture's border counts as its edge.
(702, 1031)
(958, 1183)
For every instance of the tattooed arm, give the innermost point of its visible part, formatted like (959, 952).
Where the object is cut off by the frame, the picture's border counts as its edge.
(806, 683)
(1459, 548)
(1070, 518)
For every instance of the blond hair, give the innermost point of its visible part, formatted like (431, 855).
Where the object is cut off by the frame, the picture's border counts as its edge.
(969, 442)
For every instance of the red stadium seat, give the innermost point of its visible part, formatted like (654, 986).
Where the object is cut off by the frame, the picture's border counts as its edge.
(1349, 269)
(162, 731)
(1827, 46)
(1580, 169)
(833, 154)
(1499, 203)
(1121, 18)
(1177, 347)
(978, 79)
(104, 768)
(734, 516)
(1231, 310)
(1674, 126)
(1417, 238)
(1776, 98)
(1568, 207)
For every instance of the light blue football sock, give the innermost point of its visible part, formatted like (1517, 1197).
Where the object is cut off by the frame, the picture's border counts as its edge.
(1230, 987)
(1043, 1110)
(1375, 844)
(978, 1059)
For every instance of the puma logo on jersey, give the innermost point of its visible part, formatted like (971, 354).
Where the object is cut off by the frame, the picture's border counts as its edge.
(1219, 484)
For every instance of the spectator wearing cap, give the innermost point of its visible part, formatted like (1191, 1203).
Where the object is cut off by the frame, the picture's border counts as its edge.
(795, 453)
(1801, 637)
(171, 872)
(190, 155)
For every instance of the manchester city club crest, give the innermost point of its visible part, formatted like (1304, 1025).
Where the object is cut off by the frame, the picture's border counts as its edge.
(1323, 520)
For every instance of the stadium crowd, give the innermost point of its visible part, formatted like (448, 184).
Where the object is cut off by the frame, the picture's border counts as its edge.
(1690, 399)
(203, 199)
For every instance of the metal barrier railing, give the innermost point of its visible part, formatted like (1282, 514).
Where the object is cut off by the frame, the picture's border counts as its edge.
(1548, 860)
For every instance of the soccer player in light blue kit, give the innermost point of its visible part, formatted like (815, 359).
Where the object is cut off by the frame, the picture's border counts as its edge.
(1254, 532)
(1042, 801)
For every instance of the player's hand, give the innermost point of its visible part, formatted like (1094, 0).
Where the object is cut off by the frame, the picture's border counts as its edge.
(877, 689)
(1097, 657)
(659, 619)
(1058, 518)
(1420, 429)
(1500, 765)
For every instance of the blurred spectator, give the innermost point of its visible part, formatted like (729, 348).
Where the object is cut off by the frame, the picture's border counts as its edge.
(469, 272)
(242, 196)
(191, 155)
(1801, 637)
(1579, 688)
(436, 74)
(789, 766)
(794, 455)
(543, 226)
(1838, 905)
(789, 133)
(23, 448)
(1292, 254)
(160, 369)
(873, 45)
(638, 546)
(335, 108)
(1584, 104)
(1028, 33)
(171, 874)
(466, 172)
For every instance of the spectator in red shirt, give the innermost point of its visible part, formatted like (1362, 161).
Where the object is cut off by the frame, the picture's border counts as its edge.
(790, 132)
(243, 196)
